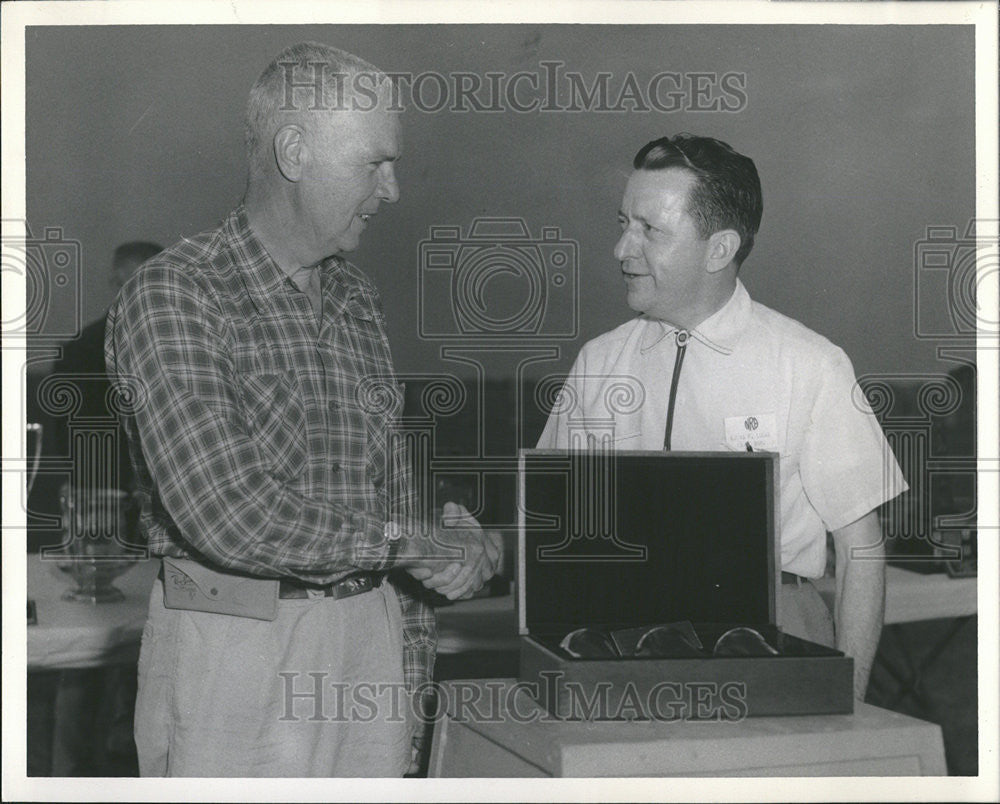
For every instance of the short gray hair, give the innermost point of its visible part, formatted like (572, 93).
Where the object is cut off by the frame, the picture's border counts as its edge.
(290, 84)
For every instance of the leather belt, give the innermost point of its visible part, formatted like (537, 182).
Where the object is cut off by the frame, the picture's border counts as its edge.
(289, 589)
(791, 577)
(345, 587)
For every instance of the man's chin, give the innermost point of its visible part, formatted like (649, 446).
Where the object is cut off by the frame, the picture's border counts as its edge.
(635, 303)
(346, 245)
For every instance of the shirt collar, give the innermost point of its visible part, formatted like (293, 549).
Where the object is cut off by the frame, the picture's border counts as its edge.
(264, 277)
(720, 331)
(259, 270)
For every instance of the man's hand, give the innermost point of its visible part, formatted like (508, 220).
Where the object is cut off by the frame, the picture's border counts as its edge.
(459, 557)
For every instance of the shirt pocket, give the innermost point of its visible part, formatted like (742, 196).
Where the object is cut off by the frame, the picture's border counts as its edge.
(276, 419)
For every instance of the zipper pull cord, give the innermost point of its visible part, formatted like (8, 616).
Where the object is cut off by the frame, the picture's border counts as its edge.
(682, 338)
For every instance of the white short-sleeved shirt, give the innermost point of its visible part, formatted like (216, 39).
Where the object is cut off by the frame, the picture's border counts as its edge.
(749, 375)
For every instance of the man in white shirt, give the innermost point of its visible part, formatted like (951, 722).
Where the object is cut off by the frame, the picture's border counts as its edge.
(706, 368)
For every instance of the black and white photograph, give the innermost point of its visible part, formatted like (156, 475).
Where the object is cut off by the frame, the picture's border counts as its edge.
(422, 401)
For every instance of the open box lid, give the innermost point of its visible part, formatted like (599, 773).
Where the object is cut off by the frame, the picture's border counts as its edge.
(631, 538)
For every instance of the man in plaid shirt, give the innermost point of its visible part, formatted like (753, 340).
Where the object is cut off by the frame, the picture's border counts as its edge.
(263, 401)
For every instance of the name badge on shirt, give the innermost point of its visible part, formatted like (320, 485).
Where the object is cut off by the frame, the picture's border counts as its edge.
(759, 430)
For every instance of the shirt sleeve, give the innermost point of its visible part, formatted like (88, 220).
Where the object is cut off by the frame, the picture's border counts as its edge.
(847, 466)
(167, 338)
(419, 620)
(419, 644)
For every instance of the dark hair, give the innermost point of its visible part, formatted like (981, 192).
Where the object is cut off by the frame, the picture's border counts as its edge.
(137, 251)
(726, 193)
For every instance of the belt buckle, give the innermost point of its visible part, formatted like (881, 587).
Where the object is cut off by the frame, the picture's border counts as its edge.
(346, 587)
(352, 586)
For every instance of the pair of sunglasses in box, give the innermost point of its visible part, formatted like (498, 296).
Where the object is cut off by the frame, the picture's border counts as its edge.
(669, 641)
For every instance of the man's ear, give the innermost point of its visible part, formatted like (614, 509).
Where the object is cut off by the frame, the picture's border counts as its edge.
(290, 151)
(722, 248)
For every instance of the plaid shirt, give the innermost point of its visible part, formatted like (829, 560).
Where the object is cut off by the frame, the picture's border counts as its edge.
(262, 444)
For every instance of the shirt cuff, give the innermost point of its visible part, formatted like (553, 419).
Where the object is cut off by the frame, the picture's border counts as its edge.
(377, 542)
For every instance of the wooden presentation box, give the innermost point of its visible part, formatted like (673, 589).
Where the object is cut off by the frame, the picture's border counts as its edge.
(628, 540)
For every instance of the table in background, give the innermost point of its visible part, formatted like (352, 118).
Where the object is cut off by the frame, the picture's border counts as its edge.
(81, 658)
(912, 597)
(73, 635)
(871, 742)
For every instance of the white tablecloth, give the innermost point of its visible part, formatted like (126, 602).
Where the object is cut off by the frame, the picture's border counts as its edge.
(72, 634)
(914, 596)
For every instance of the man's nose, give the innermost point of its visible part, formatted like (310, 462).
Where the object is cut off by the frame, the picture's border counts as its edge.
(388, 187)
(626, 246)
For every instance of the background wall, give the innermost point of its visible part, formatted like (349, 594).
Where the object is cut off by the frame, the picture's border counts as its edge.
(863, 137)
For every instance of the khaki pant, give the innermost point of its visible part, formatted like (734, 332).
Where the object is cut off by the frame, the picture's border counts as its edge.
(316, 692)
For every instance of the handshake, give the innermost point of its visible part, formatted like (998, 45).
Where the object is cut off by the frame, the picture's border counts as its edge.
(456, 557)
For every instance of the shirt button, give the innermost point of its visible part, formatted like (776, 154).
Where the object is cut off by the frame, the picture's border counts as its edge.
(334, 406)
(335, 466)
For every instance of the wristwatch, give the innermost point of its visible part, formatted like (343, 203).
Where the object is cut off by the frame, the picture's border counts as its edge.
(393, 532)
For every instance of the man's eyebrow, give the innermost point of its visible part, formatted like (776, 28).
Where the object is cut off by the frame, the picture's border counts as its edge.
(376, 153)
(640, 218)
